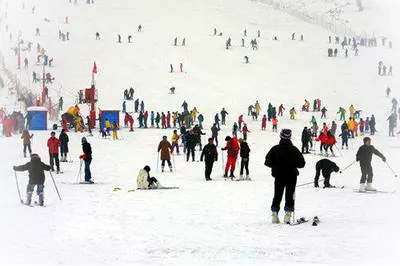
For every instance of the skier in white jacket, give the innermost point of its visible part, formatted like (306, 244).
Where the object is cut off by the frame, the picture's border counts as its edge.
(144, 181)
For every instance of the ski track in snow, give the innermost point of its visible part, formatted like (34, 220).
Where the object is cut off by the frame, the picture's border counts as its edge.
(203, 222)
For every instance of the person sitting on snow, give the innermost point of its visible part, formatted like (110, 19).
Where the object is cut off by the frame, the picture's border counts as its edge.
(144, 181)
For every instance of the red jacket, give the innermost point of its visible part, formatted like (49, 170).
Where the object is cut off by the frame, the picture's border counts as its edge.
(264, 122)
(329, 140)
(53, 143)
(233, 147)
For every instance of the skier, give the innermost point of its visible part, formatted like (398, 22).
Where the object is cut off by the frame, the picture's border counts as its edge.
(232, 146)
(174, 141)
(119, 38)
(114, 128)
(124, 106)
(191, 141)
(235, 129)
(388, 90)
(342, 113)
(131, 93)
(214, 133)
(392, 124)
(323, 112)
(305, 139)
(345, 135)
(284, 159)
(372, 124)
(280, 110)
(240, 121)
(63, 145)
(144, 181)
(264, 122)
(128, 119)
(165, 150)
(292, 113)
(274, 124)
(87, 158)
(210, 154)
(244, 162)
(53, 144)
(36, 170)
(26, 137)
(224, 113)
(327, 167)
(364, 156)
(245, 130)
(136, 105)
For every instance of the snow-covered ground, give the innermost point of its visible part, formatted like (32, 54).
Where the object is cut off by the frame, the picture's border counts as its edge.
(202, 222)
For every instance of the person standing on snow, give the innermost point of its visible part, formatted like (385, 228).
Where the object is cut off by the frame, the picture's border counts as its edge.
(26, 141)
(223, 116)
(244, 155)
(327, 167)
(364, 156)
(87, 158)
(36, 170)
(284, 159)
(305, 139)
(63, 145)
(232, 146)
(210, 154)
(53, 144)
(165, 150)
(214, 133)
(174, 140)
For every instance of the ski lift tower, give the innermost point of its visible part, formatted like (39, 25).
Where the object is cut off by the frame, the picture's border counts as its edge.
(90, 98)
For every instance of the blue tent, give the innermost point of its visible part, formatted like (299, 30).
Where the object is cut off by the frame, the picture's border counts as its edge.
(38, 117)
(111, 115)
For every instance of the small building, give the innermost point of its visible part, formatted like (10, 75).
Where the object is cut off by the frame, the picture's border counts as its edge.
(111, 115)
(38, 117)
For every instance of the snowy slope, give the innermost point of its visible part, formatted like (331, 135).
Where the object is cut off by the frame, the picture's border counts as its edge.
(214, 222)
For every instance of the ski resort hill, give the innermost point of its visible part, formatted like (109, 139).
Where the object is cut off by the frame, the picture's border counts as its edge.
(202, 222)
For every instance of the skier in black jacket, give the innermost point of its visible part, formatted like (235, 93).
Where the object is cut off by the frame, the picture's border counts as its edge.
(244, 155)
(305, 139)
(36, 170)
(191, 142)
(214, 133)
(63, 138)
(364, 156)
(87, 158)
(327, 167)
(210, 154)
(284, 159)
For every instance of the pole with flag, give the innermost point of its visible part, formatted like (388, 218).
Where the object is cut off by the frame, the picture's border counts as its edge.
(94, 71)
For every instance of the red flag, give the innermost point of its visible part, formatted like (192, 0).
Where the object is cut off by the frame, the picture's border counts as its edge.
(94, 70)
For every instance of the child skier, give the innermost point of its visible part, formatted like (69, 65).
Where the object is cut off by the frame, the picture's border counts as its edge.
(36, 170)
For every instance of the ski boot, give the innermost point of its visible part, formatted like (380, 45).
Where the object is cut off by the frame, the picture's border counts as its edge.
(231, 176)
(369, 187)
(170, 169)
(286, 218)
(41, 199)
(226, 174)
(28, 199)
(248, 178)
(275, 218)
(162, 169)
(362, 188)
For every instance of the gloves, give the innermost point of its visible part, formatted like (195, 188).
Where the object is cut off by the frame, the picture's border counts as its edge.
(83, 157)
(384, 159)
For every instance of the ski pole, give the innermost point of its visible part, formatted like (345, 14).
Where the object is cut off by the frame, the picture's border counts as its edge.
(223, 163)
(308, 183)
(341, 155)
(158, 158)
(344, 169)
(78, 177)
(55, 186)
(395, 175)
(173, 161)
(16, 182)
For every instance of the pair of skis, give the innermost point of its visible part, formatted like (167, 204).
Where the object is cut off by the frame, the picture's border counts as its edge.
(303, 220)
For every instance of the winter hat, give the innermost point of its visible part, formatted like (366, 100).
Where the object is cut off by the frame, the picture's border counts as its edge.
(286, 133)
(34, 156)
(84, 140)
(147, 168)
(228, 138)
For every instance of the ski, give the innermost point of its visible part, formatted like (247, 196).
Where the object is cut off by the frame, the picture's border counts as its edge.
(337, 187)
(374, 191)
(159, 188)
(301, 220)
(86, 183)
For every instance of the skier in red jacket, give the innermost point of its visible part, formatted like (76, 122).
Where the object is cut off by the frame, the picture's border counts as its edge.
(328, 142)
(53, 143)
(232, 145)
(264, 122)
(128, 119)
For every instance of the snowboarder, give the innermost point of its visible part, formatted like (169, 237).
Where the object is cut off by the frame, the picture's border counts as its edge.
(284, 159)
(165, 150)
(63, 145)
(327, 167)
(232, 146)
(87, 158)
(210, 154)
(36, 170)
(53, 144)
(364, 156)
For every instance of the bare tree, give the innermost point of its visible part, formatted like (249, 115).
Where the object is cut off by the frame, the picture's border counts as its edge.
(360, 5)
